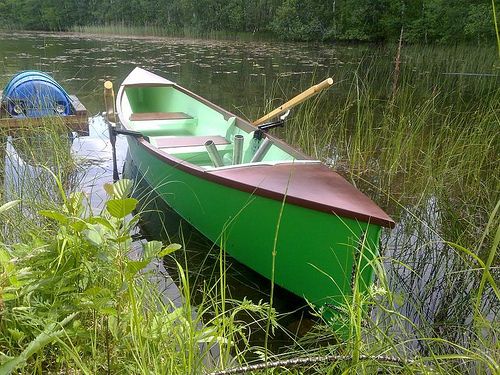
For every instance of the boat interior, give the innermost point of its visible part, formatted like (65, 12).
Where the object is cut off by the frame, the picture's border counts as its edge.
(195, 131)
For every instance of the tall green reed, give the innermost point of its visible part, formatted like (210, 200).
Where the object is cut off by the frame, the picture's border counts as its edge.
(154, 30)
(429, 155)
(25, 172)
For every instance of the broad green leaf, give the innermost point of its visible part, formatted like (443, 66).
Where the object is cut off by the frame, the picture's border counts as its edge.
(108, 188)
(57, 216)
(78, 225)
(9, 205)
(102, 221)
(8, 296)
(74, 204)
(169, 249)
(5, 358)
(119, 208)
(94, 236)
(106, 310)
(151, 248)
(113, 325)
(4, 257)
(135, 266)
(5, 261)
(122, 188)
(14, 281)
(122, 238)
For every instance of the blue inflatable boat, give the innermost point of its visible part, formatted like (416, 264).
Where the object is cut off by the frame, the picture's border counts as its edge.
(35, 94)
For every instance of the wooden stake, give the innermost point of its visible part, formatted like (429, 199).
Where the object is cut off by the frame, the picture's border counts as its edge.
(109, 101)
(311, 91)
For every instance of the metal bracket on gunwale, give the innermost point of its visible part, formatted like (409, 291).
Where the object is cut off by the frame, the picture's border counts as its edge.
(113, 132)
(258, 134)
(131, 133)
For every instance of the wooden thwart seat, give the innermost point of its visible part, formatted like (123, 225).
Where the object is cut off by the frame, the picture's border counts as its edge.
(154, 116)
(190, 141)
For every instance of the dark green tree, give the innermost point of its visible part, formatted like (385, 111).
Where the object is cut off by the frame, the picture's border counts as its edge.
(423, 21)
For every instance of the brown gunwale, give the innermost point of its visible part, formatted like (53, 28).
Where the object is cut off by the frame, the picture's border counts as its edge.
(382, 220)
(254, 189)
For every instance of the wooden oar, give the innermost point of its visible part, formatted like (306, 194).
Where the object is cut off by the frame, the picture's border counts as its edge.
(311, 91)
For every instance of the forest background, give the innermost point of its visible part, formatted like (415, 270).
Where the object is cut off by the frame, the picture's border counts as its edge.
(423, 21)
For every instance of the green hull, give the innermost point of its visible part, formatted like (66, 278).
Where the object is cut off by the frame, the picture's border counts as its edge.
(315, 251)
(283, 211)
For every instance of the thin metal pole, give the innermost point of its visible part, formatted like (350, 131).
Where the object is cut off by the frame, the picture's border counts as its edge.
(262, 150)
(214, 154)
(238, 149)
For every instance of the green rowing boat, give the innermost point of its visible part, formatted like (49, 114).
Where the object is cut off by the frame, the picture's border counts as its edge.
(265, 203)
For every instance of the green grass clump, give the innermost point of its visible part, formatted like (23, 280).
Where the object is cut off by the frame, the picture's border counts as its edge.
(427, 151)
(73, 297)
(25, 174)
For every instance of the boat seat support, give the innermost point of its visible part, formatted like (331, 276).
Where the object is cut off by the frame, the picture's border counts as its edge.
(155, 116)
(190, 141)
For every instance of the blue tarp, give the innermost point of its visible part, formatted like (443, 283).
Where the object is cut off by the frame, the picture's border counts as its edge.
(35, 94)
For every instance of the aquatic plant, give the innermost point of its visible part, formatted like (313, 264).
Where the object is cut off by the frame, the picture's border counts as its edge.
(74, 296)
(428, 154)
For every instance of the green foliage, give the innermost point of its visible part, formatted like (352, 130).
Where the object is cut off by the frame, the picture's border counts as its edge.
(297, 20)
(72, 297)
(362, 20)
(479, 23)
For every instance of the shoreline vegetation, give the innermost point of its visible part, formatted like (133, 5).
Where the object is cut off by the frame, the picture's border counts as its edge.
(72, 298)
(425, 22)
(423, 143)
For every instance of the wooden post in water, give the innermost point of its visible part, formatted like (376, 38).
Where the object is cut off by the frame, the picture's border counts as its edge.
(109, 101)
(110, 118)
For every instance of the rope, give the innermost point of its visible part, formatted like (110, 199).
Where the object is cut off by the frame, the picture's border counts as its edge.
(296, 362)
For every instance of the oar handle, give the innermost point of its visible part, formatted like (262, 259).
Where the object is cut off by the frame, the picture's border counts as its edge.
(311, 91)
(109, 101)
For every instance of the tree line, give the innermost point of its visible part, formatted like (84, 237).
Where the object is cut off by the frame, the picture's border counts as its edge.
(423, 21)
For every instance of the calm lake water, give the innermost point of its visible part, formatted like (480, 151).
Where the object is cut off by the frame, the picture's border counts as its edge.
(235, 75)
(238, 76)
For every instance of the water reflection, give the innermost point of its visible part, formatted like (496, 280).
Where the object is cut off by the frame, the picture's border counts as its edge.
(25, 181)
(229, 73)
(94, 158)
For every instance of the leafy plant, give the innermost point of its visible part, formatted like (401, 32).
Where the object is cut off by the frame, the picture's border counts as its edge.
(74, 296)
